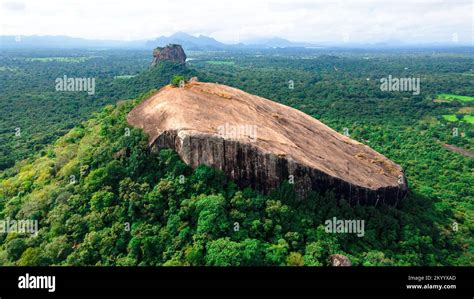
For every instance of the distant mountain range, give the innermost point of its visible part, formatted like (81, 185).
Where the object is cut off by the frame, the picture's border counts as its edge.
(189, 42)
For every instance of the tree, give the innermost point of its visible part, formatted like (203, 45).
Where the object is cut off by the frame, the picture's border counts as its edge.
(376, 258)
(276, 254)
(314, 254)
(15, 248)
(57, 250)
(177, 80)
(212, 220)
(295, 259)
(31, 257)
(224, 252)
(101, 200)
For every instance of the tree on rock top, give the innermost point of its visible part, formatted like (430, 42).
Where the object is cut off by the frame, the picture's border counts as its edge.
(177, 79)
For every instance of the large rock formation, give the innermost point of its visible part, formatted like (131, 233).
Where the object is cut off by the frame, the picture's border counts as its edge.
(172, 52)
(260, 143)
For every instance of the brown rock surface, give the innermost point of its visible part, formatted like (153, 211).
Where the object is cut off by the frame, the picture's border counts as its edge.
(339, 260)
(260, 143)
(172, 52)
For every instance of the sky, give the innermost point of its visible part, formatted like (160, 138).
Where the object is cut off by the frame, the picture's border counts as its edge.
(354, 21)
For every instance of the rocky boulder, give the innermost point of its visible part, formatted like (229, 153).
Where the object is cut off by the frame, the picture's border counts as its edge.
(172, 52)
(260, 143)
(339, 260)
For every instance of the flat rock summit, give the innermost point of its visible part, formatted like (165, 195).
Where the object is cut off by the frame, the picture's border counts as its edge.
(260, 143)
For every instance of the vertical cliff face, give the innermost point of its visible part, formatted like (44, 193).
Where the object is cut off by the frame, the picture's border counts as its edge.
(260, 143)
(172, 52)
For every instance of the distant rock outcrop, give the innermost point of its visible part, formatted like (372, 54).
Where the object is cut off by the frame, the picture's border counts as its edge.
(260, 143)
(172, 52)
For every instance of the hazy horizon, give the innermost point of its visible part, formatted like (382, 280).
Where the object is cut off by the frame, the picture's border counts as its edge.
(361, 21)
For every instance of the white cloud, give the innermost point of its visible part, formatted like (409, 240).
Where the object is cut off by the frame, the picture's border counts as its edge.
(230, 21)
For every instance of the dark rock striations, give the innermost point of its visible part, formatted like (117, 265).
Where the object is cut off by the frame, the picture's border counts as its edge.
(172, 52)
(260, 143)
